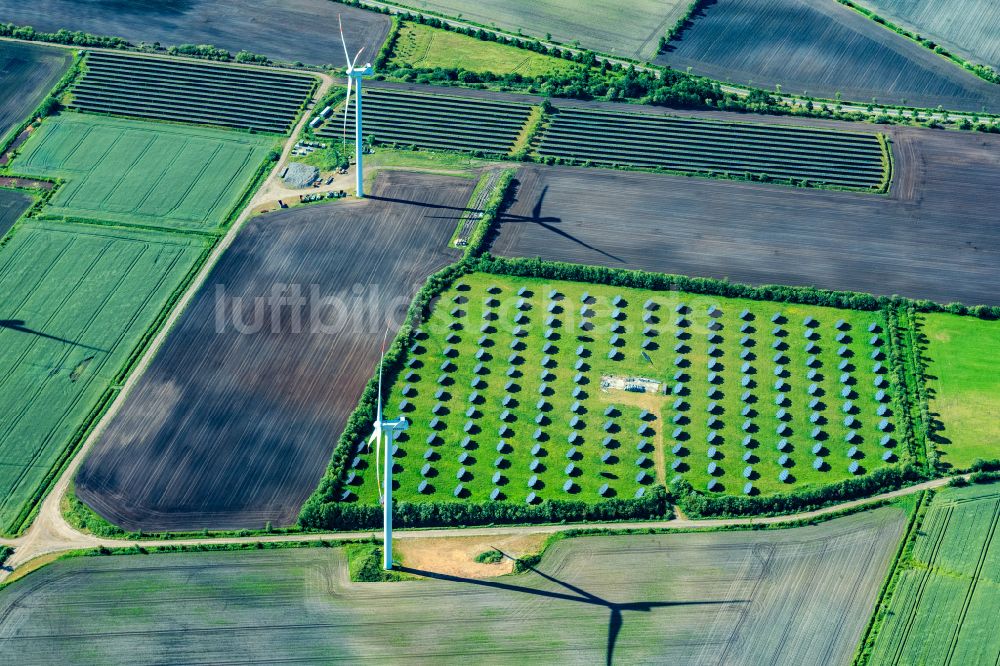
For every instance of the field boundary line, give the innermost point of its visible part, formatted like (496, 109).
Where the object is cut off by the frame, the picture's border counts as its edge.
(973, 582)
(925, 575)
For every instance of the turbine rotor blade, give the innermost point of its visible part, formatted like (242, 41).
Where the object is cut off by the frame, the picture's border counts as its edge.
(347, 56)
(355, 61)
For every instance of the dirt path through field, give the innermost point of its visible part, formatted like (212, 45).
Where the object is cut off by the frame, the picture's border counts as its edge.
(652, 403)
(51, 534)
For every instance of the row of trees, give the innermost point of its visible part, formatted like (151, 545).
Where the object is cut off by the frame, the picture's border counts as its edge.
(355, 515)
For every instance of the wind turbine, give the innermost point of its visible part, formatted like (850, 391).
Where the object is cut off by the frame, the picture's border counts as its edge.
(354, 73)
(389, 430)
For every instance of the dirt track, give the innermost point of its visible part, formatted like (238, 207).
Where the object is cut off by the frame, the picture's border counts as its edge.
(936, 236)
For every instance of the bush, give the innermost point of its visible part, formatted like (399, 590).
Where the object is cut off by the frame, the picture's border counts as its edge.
(492, 556)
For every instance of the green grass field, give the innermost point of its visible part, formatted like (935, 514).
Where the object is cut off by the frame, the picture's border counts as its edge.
(135, 172)
(964, 384)
(600, 26)
(75, 301)
(457, 380)
(947, 593)
(422, 46)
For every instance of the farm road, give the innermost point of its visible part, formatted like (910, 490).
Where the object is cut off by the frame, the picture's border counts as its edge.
(935, 236)
(50, 534)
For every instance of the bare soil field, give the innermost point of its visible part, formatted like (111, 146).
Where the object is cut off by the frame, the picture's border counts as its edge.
(966, 27)
(235, 420)
(936, 235)
(286, 30)
(798, 596)
(12, 205)
(27, 73)
(820, 49)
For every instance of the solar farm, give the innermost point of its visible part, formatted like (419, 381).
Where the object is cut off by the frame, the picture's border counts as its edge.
(439, 122)
(590, 336)
(529, 390)
(241, 98)
(791, 154)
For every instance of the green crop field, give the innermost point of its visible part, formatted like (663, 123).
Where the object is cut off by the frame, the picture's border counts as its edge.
(507, 393)
(947, 593)
(137, 172)
(964, 383)
(422, 46)
(75, 301)
(599, 26)
(796, 596)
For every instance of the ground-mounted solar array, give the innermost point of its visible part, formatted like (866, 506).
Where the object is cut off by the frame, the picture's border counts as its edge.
(797, 596)
(440, 122)
(75, 301)
(672, 143)
(190, 91)
(944, 603)
(525, 390)
(140, 172)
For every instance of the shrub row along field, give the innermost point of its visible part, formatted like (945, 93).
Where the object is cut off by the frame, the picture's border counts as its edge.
(250, 391)
(592, 25)
(76, 302)
(525, 390)
(192, 92)
(968, 27)
(944, 605)
(436, 121)
(12, 206)
(418, 45)
(797, 596)
(27, 73)
(822, 49)
(137, 172)
(654, 141)
(962, 355)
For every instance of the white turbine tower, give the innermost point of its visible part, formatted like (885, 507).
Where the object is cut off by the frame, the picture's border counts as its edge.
(354, 73)
(389, 430)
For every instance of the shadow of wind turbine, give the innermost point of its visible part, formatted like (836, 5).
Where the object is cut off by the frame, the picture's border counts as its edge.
(579, 595)
(20, 326)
